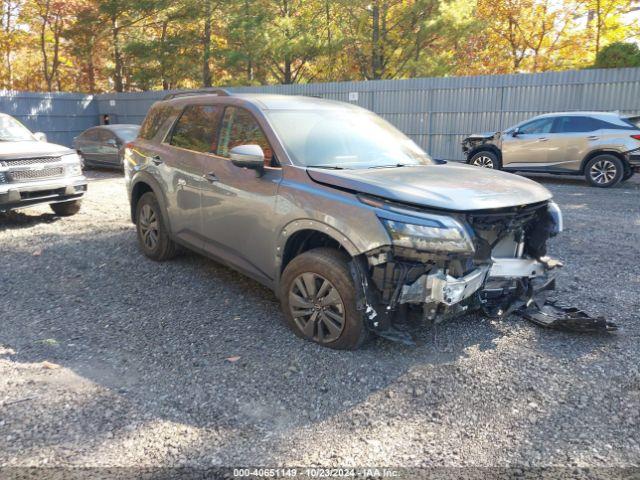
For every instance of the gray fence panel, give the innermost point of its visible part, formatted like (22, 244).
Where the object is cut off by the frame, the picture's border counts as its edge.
(436, 112)
(62, 116)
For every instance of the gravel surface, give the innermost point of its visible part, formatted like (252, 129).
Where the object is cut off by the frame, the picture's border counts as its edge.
(110, 359)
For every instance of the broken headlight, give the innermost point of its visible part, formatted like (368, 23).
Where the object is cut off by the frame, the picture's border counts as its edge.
(556, 217)
(443, 234)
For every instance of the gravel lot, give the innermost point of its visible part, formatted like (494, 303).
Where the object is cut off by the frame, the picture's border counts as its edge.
(110, 359)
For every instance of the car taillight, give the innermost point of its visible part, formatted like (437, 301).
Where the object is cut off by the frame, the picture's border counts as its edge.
(637, 137)
(128, 145)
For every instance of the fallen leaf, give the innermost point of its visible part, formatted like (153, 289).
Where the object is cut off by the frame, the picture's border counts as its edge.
(37, 252)
(233, 359)
(49, 365)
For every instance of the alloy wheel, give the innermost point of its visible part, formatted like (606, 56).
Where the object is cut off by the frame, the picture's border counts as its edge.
(149, 227)
(603, 172)
(317, 308)
(483, 161)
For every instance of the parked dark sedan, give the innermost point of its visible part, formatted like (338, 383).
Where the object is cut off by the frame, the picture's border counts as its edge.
(103, 146)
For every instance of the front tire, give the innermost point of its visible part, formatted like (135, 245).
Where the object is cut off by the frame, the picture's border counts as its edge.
(604, 171)
(153, 235)
(66, 209)
(485, 159)
(318, 297)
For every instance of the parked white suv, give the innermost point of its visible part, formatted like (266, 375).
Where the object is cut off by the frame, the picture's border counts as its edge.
(33, 171)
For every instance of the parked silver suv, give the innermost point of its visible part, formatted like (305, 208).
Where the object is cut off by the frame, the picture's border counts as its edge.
(604, 147)
(33, 171)
(354, 226)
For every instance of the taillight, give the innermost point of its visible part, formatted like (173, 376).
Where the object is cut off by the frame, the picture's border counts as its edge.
(128, 145)
(637, 137)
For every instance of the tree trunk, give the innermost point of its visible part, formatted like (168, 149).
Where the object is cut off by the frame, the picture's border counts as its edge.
(206, 44)
(8, 63)
(250, 70)
(91, 71)
(117, 55)
(598, 25)
(288, 76)
(163, 55)
(375, 39)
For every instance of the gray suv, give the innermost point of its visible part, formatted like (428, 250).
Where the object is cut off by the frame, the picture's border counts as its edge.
(604, 147)
(355, 228)
(33, 171)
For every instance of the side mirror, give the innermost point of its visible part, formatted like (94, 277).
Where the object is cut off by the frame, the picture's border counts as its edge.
(112, 142)
(41, 137)
(248, 156)
(516, 132)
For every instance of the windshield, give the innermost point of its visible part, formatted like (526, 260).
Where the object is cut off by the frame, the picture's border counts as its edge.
(343, 138)
(13, 131)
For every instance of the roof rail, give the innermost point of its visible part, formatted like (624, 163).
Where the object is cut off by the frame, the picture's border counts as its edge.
(203, 91)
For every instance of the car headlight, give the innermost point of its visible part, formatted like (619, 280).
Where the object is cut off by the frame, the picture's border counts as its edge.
(442, 235)
(74, 170)
(74, 165)
(556, 217)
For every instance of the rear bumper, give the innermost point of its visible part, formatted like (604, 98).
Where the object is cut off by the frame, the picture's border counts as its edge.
(634, 161)
(13, 196)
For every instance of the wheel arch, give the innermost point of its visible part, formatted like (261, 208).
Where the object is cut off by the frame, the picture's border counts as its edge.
(595, 153)
(141, 185)
(484, 148)
(304, 235)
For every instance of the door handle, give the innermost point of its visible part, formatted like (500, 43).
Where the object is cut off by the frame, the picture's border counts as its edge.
(157, 160)
(211, 177)
(592, 137)
(543, 139)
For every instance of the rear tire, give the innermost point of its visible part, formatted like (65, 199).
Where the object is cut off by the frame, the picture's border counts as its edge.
(153, 235)
(66, 209)
(318, 297)
(485, 159)
(604, 171)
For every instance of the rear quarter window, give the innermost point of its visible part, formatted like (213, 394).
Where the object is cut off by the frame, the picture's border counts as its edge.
(156, 117)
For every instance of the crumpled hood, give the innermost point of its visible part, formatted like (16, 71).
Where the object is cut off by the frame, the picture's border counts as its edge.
(450, 187)
(16, 150)
(482, 136)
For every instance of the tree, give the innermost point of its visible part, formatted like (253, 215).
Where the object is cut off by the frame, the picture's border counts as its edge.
(391, 38)
(618, 55)
(122, 15)
(51, 18)
(605, 21)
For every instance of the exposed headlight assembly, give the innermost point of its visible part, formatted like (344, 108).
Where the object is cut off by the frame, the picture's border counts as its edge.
(421, 230)
(556, 217)
(440, 234)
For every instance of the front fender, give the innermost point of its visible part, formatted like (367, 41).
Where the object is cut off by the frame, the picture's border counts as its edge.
(142, 177)
(307, 224)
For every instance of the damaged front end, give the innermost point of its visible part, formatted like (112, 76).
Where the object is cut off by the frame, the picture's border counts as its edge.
(442, 265)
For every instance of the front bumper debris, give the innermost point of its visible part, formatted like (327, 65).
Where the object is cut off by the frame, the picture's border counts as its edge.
(570, 319)
(441, 288)
(517, 286)
(508, 272)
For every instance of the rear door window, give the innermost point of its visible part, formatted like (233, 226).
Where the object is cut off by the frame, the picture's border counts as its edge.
(89, 136)
(197, 128)
(105, 135)
(576, 124)
(239, 127)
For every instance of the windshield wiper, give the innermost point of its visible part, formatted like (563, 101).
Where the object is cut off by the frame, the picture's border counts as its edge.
(390, 166)
(329, 167)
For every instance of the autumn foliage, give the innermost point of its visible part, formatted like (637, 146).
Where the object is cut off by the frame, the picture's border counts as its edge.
(132, 45)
